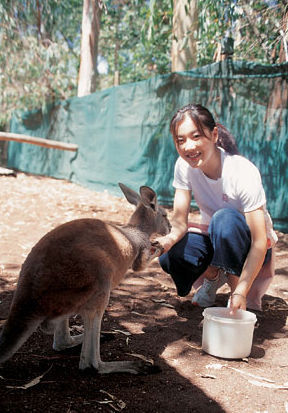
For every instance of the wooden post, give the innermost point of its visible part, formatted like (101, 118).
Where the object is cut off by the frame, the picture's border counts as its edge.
(47, 143)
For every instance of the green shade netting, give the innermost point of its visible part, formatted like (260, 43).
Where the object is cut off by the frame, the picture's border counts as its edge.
(123, 132)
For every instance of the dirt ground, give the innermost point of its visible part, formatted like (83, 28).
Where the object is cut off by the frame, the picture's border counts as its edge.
(145, 318)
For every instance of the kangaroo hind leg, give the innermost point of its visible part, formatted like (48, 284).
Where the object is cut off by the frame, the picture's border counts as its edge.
(62, 336)
(90, 353)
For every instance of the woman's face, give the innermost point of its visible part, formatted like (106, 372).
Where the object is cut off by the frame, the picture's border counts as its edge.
(195, 148)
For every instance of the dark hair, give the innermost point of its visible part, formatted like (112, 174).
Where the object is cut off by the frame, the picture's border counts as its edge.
(204, 119)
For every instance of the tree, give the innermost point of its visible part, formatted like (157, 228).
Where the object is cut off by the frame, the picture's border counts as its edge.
(183, 53)
(283, 55)
(91, 16)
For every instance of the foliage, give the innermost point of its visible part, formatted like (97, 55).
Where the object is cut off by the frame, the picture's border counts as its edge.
(136, 46)
(140, 47)
(40, 42)
(39, 56)
(254, 24)
(158, 41)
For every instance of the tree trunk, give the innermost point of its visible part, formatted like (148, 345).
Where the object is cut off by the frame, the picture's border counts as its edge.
(279, 94)
(184, 28)
(283, 55)
(38, 19)
(87, 80)
(116, 59)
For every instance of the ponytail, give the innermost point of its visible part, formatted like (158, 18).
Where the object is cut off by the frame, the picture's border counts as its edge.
(226, 140)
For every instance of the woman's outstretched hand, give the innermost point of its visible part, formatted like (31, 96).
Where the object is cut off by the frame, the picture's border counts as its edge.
(237, 301)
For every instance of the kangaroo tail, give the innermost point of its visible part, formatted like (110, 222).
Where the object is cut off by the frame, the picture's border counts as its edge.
(14, 334)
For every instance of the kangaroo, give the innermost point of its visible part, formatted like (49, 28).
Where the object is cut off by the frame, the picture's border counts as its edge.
(72, 270)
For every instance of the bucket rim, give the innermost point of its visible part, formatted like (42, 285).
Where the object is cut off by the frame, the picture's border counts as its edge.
(228, 320)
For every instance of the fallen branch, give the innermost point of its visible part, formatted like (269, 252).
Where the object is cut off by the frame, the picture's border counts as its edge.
(32, 383)
(268, 385)
(47, 143)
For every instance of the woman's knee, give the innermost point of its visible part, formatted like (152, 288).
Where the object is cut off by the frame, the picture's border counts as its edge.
(228, 222)
(187, 260)
(192, 253)
(231, 240)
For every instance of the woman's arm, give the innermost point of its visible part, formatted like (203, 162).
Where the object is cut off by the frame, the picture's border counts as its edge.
(254, 261)
(179, 221)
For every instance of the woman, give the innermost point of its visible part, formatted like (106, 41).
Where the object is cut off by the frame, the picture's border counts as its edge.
(235, 235)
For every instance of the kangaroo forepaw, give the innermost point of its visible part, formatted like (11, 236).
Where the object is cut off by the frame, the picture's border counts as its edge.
(156, 249)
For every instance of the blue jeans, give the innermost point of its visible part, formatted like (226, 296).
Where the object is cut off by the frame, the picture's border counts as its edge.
(226, 247)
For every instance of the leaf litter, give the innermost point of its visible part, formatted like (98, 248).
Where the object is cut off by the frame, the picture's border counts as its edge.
(16, 201)
(260, 381)
(114, 403)
(31, 383)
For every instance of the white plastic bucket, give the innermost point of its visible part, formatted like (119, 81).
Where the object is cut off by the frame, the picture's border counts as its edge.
(226, 335)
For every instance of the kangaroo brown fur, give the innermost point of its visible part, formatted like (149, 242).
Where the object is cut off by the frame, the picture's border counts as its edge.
(72, 270)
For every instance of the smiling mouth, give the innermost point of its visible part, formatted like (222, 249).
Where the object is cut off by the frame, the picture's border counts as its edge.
(196, 155)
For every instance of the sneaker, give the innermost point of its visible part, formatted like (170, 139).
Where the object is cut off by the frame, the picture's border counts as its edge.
(223, 279)
(206, 295)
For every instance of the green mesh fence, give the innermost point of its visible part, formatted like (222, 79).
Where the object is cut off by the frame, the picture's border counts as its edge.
(123, 132)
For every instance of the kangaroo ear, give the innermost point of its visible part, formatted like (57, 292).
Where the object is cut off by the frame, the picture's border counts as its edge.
(148, 197)
(130, 195)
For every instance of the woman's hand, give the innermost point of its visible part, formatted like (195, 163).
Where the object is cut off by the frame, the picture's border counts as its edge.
(237, 301)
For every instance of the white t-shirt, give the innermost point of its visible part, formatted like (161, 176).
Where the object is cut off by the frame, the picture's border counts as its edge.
(240, 187)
